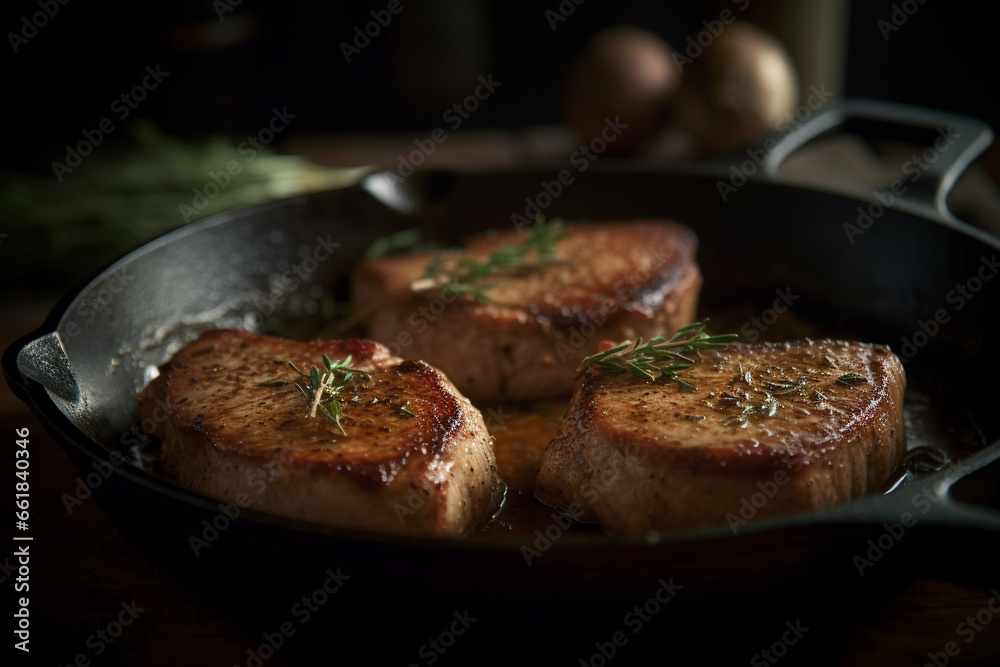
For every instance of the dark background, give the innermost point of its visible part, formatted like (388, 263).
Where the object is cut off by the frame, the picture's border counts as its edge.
(227, 76)
(287, 54)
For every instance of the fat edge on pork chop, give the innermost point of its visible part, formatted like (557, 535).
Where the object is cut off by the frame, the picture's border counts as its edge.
(816, 422)
(414, 456)
(613, 280)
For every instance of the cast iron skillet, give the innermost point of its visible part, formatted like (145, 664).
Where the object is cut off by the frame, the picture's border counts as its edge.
(81, 370)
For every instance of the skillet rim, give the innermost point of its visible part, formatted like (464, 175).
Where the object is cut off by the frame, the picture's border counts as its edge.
(859, 512)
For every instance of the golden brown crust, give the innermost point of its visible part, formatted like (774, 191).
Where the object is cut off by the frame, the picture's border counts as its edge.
(223, 425)
(681, 459)
(613, 280)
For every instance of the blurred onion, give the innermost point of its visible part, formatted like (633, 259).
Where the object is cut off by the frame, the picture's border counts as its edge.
(623, 71)
(739, 88)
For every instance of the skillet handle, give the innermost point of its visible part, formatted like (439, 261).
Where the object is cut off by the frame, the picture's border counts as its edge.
(964, 496)
(954, 142)
(43, 359)
(972, 492)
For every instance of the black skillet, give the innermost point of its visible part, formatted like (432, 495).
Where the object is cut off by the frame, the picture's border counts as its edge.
(81, 370)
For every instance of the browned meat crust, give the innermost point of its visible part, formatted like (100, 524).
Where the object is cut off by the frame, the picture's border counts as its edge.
(614, 280)
(432, 472)
(635, 456)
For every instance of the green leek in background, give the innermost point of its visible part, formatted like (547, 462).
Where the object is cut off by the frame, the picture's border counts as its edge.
(121, 197)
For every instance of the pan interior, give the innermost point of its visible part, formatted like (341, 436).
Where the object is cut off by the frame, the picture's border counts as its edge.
(904, 281)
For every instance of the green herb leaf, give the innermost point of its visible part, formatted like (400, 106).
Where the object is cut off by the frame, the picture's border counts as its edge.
(782, 387)
(659, 359)
(463, 276)
(851, 379)
(305, 392)
(766, 408)
(322, 388)
(392, 244)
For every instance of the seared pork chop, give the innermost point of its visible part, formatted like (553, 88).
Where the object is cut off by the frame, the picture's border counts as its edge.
(777, 427)
(609, 280)
(413, 455)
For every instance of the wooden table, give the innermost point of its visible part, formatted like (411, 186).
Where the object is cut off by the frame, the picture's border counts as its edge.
(85, 577)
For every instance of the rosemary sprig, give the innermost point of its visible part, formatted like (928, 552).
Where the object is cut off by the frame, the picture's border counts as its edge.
(464, 276)
(394, 243)
(851, 379)
(659, 359)
(782, 387)
(321, 386)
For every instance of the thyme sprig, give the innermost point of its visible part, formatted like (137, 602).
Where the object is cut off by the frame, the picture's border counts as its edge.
(321, 386)
(765, 408)
(464, 276)
(851, 379)
(659, 359)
